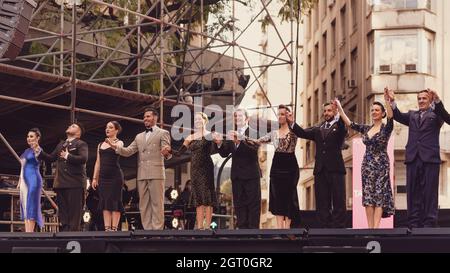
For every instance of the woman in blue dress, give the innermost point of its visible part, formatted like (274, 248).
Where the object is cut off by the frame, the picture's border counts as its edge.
(376, 184)
(30, 183)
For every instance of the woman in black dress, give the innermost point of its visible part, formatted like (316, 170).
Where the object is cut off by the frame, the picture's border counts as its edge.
(376, 184)
(284, 173)
(108, 177)
(203, 195)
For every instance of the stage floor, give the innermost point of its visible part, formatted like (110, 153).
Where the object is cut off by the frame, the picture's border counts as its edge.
(399, 240)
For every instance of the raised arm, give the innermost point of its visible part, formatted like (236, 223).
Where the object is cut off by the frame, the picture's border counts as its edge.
(387, 102)
(398, 116)
(439, 108)
(308, 133)
(341, 111)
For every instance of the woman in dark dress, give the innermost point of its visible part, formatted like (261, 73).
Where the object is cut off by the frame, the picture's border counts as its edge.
(108, 177)
(203, 195)
(284, 173)
(376, 185)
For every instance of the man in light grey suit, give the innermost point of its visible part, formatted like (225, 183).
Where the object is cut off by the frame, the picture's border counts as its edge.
(153, 147)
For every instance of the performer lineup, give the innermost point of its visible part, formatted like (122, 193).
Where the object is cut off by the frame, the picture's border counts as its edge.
(153, 147)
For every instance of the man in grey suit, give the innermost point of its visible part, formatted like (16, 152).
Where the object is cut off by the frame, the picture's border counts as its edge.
(152, 146)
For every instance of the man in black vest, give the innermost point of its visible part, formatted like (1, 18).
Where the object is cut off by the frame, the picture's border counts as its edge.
(329, 169)
(70, 179)
(245, 171)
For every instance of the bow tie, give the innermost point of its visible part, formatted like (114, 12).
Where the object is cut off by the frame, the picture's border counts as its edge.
(148, 130)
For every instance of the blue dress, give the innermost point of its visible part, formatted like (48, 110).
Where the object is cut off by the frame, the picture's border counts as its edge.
(376, 182)
(30, 189)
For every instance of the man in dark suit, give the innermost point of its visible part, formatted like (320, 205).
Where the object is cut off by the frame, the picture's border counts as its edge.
(439, 108)
(245, 171)
(329, 168)
(422, 160)
(70, 179)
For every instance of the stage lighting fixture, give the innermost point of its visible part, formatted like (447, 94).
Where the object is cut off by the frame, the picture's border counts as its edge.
(217, 84)
(175, 222)
(86, 217)
(213, 225)
(171, 194)
(242, 79)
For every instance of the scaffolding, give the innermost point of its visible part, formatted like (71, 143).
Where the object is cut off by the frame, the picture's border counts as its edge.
(158, 48)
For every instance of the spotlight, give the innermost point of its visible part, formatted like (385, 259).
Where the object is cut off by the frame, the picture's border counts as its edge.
(213, 225)
(86, 217)
(171, 194)
(174, 194)
(175, 223)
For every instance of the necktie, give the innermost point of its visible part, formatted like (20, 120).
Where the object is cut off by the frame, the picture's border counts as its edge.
(148, 130)
(421, 116)
(327, 125)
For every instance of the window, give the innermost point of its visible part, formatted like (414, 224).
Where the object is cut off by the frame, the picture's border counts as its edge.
(404, 51)
(333, 38)
(354, 68)
(429, 51)
(310, 25)
(324, 49)
(343, 25)
(355, 13)
(379, 5)
(324, 8)
(316, 107)
(343, 78)
(316, 18)
(371, 55)
(324, 93)
(316, 59)
(333, 85)
(308, 112)
(308, 152)
(309, 69)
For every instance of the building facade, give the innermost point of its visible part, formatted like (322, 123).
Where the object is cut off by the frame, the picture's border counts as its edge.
(355, 48)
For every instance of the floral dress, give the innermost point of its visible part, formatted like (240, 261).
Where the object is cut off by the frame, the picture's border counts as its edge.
(376, 184)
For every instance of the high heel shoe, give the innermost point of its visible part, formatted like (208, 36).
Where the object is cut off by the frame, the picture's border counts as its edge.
(108, 228)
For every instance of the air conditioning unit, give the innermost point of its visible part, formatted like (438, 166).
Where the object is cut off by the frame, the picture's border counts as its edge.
(330, 3)
(385, 69)
(410, 68)
(351, 84)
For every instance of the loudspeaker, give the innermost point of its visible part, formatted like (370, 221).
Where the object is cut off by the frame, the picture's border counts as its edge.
(15, 16)
(217, 84)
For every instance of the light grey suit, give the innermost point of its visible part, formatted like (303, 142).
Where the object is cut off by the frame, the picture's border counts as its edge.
(150, 175)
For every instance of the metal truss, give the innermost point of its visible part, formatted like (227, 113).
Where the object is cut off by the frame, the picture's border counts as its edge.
(154, 56)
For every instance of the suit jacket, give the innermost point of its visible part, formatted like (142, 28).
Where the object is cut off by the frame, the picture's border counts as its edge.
(441, 112)
(150, 160)
(423, 137)
(70, 173)
(245, 164)
(329, 148)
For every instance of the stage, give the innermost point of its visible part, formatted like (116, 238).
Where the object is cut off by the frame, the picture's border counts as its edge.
(399, 240)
